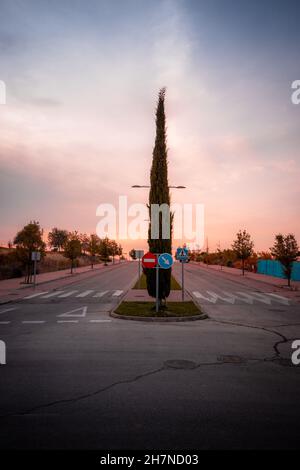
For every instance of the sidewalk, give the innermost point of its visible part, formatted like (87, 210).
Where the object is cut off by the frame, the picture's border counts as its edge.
(271, 280)
(14, 289)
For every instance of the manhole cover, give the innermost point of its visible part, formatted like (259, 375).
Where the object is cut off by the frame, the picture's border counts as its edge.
(231, 359)
(180, 364)
(282, 361)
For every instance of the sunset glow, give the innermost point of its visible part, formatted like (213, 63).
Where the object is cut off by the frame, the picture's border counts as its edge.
(78, 126)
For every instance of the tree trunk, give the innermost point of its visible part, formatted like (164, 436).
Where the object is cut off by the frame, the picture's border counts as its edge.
(243, 265)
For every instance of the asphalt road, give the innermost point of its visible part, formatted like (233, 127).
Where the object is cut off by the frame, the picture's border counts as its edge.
(77, 379)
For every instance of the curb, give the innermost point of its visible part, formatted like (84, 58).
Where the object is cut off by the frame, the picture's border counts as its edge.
(203, 316)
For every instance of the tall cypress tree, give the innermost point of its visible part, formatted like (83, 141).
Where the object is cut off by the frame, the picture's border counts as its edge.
(160, 194)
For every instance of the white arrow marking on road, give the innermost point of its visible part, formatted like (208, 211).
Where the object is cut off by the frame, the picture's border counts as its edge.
(117, 293)
(52, 294)
(280, 299)
(85, 293)
(8, 310)
(67, 294)
(72, 313)
(101, 294)
(36, 295)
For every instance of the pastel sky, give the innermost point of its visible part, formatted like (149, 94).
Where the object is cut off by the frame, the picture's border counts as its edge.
(78, 129)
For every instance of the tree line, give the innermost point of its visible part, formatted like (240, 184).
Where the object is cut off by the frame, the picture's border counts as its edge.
(285, 249)
(70, 244)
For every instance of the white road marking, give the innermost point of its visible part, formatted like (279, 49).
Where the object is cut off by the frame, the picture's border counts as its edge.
(261, 298)
(33, 321)
(200, 296)
(230, 298)
(265, 298)
(247, 298)
(85, 293)
(36, 295)
(117, 293)
(67, 294)
(101, 294)
(71, 313)
(52, 294)
(8, 310)
(4, 322)
(100, 321)
(67, 321)
(280, 299)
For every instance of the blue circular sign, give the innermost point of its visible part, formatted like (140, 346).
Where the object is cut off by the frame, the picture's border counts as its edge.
(165, 261)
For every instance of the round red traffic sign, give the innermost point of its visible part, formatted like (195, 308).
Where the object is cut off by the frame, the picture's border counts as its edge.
(149, 260)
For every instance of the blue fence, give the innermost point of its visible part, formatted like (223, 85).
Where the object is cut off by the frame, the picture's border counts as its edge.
(274, 268)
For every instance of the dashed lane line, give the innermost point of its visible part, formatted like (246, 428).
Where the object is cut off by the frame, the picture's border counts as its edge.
(8, 310)
(33, 322)
(67, 321)
(100, 321)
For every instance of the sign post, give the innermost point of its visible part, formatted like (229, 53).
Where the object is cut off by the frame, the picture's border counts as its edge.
(139, 254)
(35, 256)
(149, 261)
(157, 289)
(182, 255)
(165, 261)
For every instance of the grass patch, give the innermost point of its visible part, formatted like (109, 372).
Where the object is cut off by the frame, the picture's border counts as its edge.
(147, 309)
(143, 285)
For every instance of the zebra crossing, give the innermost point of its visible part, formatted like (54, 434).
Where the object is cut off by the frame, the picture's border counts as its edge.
(238, 297)
(65, 294)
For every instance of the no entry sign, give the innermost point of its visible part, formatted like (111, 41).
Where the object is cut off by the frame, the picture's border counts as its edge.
(149, 260)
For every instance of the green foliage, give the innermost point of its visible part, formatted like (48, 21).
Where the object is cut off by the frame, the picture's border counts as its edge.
(93, 247)
(57, 238)
(243, 247)
(159, 194)
(286, 250)
(114, 249)
(132, 254)
(27, 240)
(105, 250)
(146, 309)
(72, 248)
